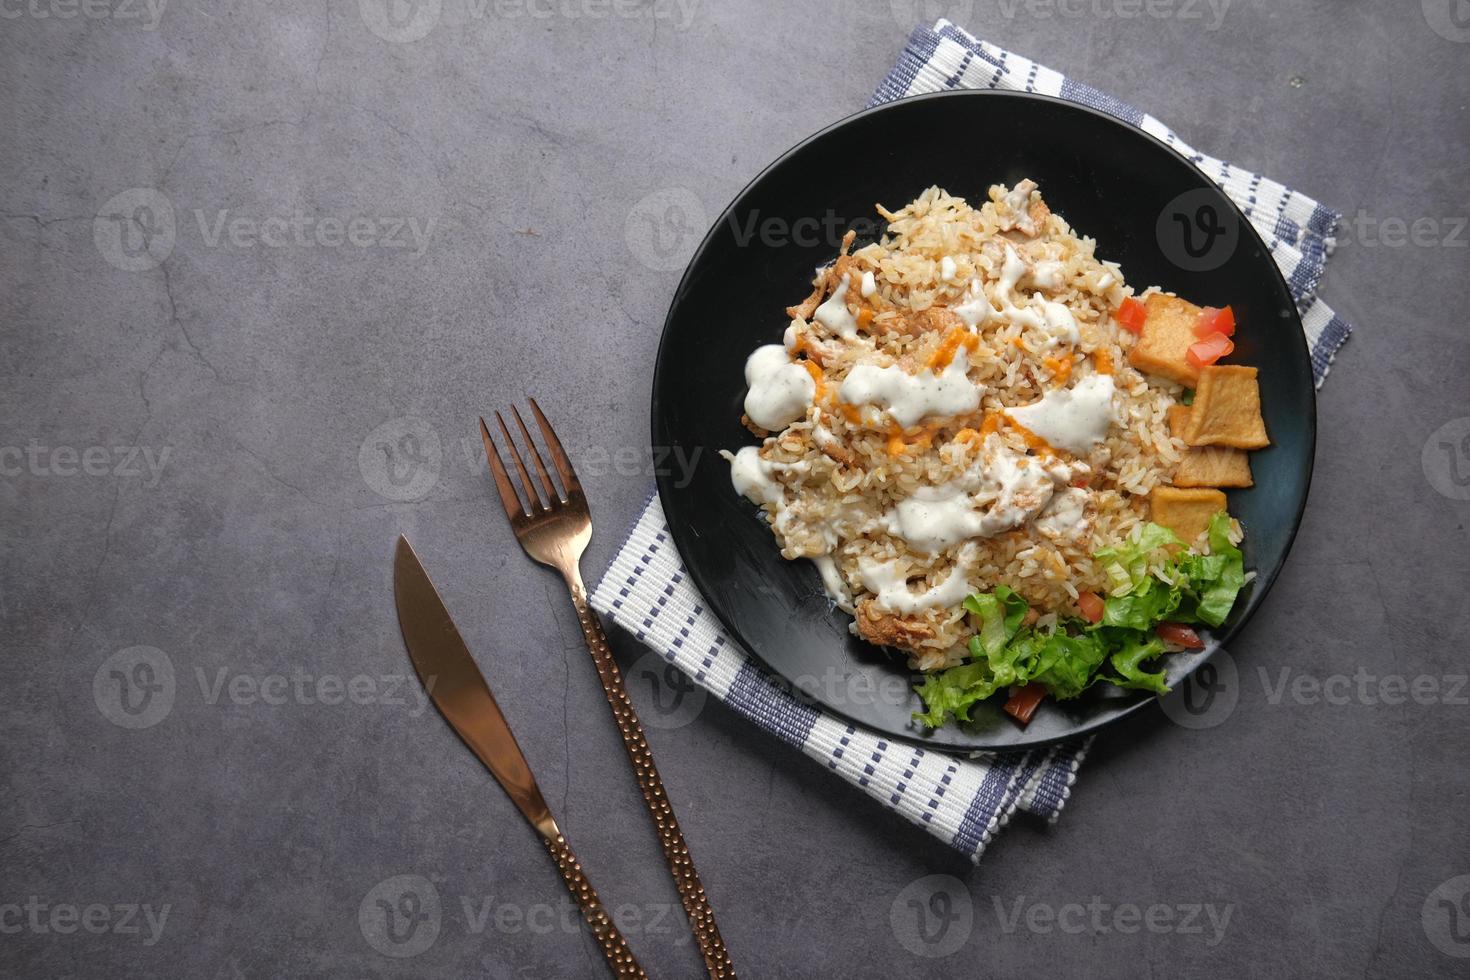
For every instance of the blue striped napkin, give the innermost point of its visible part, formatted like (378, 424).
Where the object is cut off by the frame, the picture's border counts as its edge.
(962, 801)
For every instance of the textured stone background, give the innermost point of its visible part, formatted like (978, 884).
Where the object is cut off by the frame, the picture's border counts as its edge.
(531, 137)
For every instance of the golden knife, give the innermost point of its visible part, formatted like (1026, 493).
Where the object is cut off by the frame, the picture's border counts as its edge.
(459, 691)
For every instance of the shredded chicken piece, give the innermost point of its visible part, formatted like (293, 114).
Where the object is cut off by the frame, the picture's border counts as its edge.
(936, 319)
(755, 429)
(886, 629)
(808, 306)
(832, 447)
(827, 281)
(1018, 211)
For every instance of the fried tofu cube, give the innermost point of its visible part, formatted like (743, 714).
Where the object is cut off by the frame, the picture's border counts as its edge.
(1207, 466)
(1168, 331)
(1227, 409)
(1185, 512)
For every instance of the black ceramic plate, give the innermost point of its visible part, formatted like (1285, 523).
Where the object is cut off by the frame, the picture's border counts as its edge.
(1147, 208)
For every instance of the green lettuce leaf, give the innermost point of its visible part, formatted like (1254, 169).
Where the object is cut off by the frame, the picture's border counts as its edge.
(1000, 615)
(1066, 664)
(1076, 655)
(1143, 608)
(1127, 564)
(1135, 648)
(1215, 580)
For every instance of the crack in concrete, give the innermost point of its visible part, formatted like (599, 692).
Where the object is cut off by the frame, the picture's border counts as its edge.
(178, 322)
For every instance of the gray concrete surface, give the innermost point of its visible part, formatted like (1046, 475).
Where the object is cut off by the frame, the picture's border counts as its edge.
(192, 423)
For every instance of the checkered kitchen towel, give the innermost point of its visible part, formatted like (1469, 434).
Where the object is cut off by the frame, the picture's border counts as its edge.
(962, 801)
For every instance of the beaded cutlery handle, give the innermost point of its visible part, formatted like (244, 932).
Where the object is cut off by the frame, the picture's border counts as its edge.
(554, 528)
(670, 837)
(614, 948)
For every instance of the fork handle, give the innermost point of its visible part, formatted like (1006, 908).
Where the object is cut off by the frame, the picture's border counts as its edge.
(614, 948)
(670, 837)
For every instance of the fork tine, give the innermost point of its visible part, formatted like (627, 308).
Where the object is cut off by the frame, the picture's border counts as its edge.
(508, 499)
(515, 454)
(558, 455)
(551, 495)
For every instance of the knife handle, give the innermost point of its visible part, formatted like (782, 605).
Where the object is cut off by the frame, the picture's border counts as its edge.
(691, 891)
(614, 948)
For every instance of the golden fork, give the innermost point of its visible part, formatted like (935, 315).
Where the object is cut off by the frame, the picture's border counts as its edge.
(554, 530)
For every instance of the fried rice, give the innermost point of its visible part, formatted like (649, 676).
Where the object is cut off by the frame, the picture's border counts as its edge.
(963, 301)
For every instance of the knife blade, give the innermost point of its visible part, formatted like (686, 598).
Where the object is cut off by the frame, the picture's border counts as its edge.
(458, 688)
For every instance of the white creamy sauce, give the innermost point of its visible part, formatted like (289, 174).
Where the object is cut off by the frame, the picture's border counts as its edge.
(1074, 419)
(824, 438)
(1000, 491)
(936, 517)
(753, 479)
(947, 268)
(834, 315)
(912, 397)
(780, 389)
(1060, 323)
(1047, 275)
(870, 285)
(975, 309)
(891, 590)
(1011, 271)
(832, 582)
(1066, 513)
(1018, 200)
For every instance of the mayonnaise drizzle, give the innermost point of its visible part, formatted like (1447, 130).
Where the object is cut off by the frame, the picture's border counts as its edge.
(891, 591)
(1000, 491)
(870, 285)
(1047, 275)
(834, 314)
(1060, 322)
(1066, 514)
(975, 309)
(780, 389)
(832, 582)
(912, 397)
(753, 479)
(1074, 419)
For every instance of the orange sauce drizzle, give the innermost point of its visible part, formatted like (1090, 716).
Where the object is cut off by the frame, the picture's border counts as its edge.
(1060, 368)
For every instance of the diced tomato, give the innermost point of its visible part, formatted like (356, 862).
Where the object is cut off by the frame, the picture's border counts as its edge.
(1091, 605)
(1212, 320)
(1130, 315)
(1179, 635)
(1209, 350)
(1022, 704)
